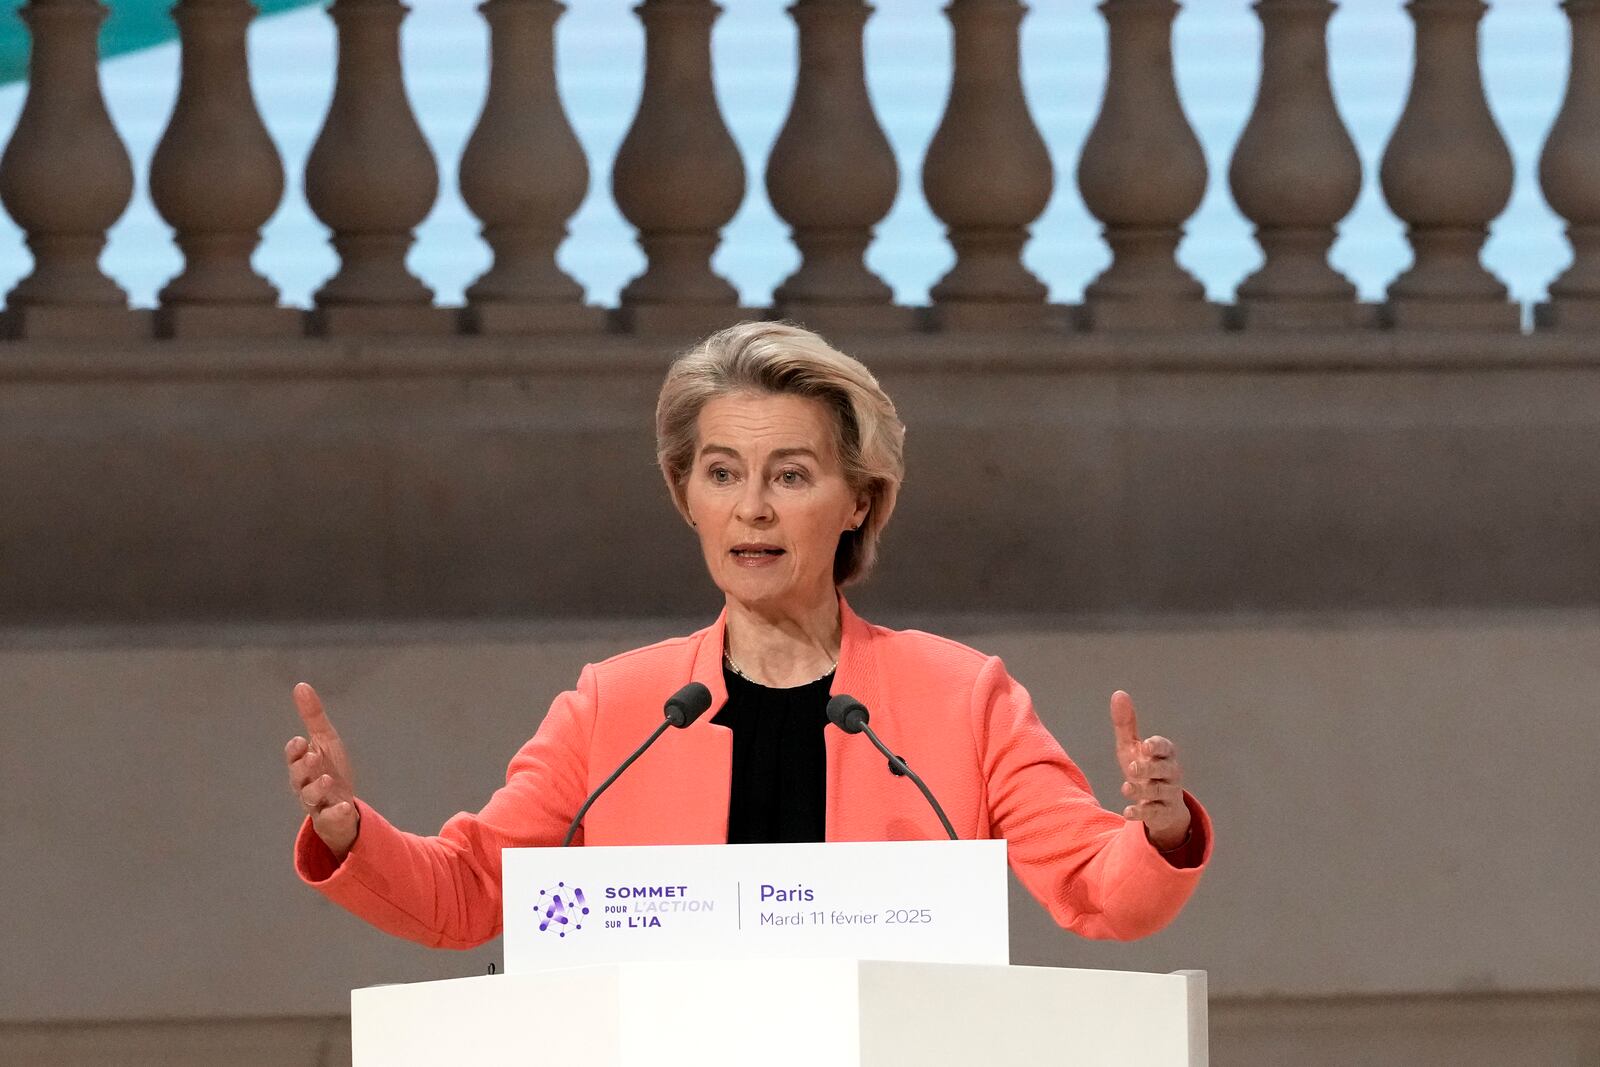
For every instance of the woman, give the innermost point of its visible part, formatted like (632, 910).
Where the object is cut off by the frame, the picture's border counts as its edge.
(784, 456)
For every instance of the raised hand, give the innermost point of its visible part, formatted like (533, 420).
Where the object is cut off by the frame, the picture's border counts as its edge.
(1152, 779)
(319, 775)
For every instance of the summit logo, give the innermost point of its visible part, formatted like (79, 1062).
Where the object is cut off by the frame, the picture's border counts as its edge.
(561, 909)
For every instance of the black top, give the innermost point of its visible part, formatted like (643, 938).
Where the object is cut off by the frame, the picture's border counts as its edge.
(780, 769)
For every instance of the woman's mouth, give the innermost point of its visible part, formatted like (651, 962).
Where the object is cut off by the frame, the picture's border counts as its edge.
(754, 555)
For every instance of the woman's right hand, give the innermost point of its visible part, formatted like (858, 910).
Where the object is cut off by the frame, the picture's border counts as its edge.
(319, 775)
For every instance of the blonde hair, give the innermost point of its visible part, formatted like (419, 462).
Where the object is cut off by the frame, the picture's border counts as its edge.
(778, 357)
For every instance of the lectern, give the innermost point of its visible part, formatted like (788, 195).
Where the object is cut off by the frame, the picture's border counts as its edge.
(780, 1012)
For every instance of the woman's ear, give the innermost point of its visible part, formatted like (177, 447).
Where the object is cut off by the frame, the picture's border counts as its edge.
(863, 508)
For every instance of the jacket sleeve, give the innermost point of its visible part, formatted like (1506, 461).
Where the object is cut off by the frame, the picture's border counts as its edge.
(1096, 872)
(444, 891)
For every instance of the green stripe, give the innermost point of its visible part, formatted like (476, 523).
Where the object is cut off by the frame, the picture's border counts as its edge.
(133, 24)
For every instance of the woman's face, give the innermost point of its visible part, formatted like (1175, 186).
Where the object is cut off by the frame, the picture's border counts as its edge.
(768, 497)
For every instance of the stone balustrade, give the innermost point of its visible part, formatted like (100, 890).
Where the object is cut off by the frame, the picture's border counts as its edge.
(679, 178)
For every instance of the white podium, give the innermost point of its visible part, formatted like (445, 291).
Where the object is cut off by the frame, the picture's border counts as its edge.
(811, 1012)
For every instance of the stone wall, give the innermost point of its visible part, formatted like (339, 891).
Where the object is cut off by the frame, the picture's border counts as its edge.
(1400, 859)
(475, 478)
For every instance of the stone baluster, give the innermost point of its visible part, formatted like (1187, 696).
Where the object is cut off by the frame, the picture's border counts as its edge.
(65, 178)
(1142, 174)
(832, 177)
(1569, 172)
(371, 179)
(1295, 174)
(523, 174)
(1446, 173)
(987, 176)
(216, 178)
(678, 177)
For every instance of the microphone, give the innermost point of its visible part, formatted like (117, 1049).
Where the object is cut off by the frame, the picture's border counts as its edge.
(682, 709)
(850, 715)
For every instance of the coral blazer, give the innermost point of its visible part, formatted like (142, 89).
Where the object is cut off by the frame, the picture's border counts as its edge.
(955, 714)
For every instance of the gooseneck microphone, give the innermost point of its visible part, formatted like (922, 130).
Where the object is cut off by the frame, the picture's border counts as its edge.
(681, 709)
(850, 715)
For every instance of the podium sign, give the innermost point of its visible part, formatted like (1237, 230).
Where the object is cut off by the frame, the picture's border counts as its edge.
(923, 901)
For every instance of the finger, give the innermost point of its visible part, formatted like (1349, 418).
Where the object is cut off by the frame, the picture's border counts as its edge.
(1141, 790)
(309, 705)
(294, 755)
(1159, 747)
(1158, 810)
(1154, 770)
(1145, 790)
(317, 794)
(337, 816)
(305, 769)
(1124, 720)
(337, 824)
(1164, 797)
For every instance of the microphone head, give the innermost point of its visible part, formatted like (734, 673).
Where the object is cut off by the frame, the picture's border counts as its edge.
(687, 704)
(847, 713)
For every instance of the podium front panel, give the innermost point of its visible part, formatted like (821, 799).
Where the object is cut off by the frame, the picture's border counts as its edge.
(788, 1013)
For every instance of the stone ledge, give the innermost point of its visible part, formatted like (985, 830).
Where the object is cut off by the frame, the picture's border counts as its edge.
(455, 356)
(306, 479)
(494, 318)
(850, 320)
(1464, 1030)
(90, 325)
(382, 320)
(226, 323)
(626, 631)
(665, 322)
(299, 1042)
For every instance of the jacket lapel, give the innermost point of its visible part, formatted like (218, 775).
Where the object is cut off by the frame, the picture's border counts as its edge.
(705, 750)
(851, 758)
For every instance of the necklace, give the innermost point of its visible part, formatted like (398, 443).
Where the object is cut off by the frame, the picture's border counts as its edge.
(727, 657)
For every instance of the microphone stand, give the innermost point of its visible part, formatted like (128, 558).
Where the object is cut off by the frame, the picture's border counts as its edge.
(850, 715)
(681, 710)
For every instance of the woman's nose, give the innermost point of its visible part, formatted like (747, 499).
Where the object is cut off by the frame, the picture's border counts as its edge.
(754, 505)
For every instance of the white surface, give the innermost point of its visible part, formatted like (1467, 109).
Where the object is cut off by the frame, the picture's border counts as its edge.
(568, 1019)
(777, 1013)
(934, 901)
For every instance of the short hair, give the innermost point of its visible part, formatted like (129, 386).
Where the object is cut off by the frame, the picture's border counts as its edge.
(781, 358)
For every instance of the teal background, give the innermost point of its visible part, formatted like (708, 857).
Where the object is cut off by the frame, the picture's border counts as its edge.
(133, 24)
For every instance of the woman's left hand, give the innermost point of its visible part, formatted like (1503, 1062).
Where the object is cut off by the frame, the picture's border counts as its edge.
(1152, 779)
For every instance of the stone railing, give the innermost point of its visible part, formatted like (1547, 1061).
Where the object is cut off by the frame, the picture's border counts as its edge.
(1146, 451)
(831, 176)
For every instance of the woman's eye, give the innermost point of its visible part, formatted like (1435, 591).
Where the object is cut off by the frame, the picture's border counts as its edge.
(792, 477)
(721, 475)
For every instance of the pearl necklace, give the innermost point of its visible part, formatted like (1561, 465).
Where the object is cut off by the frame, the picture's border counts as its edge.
(727, 657)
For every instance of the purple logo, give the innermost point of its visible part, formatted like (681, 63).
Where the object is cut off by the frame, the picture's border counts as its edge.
(561, 909)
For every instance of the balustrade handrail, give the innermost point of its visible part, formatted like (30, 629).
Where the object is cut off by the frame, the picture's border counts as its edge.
(678, 178)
